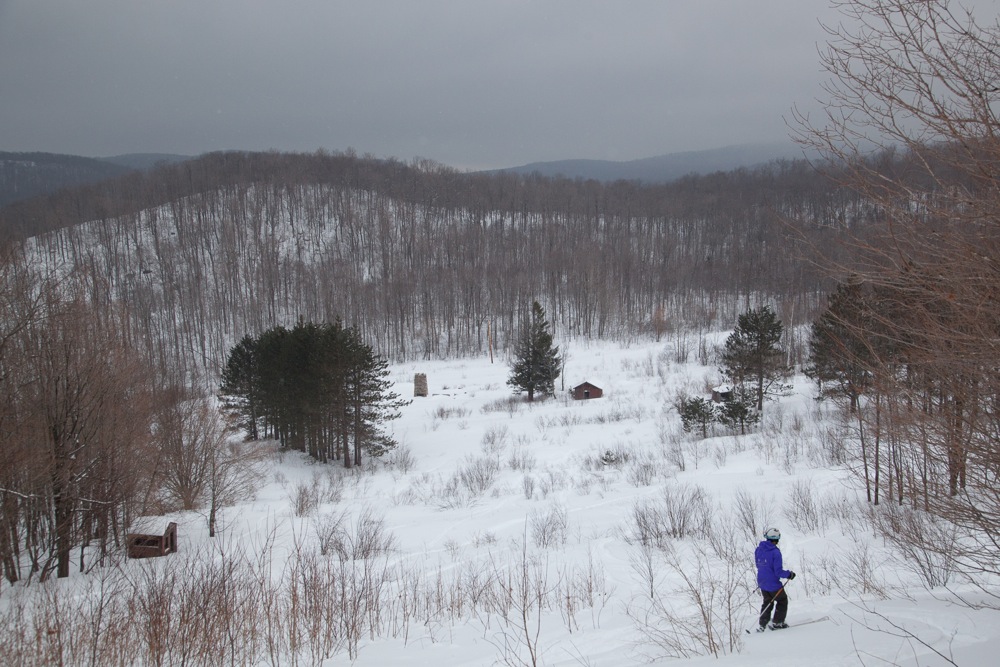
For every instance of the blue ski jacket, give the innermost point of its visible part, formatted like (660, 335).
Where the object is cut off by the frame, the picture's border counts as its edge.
(769, 571)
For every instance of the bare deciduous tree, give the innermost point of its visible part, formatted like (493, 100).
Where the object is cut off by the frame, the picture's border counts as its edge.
(186, 434)
(81, 416)
(911, 121)
(200, 465)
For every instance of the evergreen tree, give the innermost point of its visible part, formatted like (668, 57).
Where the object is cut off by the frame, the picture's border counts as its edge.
(737, 413)
(752, 359)
(697, 413)
(536, 361)
(840, 347)
(238, 391)
(272, 379)
(371, 401)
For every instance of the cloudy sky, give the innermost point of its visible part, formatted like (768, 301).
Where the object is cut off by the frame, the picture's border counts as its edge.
(469, 83)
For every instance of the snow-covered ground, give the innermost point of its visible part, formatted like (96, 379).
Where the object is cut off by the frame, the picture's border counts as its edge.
(545, 497)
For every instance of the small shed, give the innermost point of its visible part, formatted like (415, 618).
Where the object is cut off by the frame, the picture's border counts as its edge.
(142, 545)
(587, 390)
(722, 393)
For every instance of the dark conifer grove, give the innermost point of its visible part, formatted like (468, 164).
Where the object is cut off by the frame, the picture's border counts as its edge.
(315, 388)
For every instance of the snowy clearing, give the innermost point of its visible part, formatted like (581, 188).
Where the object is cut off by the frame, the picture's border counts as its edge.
(493, 508)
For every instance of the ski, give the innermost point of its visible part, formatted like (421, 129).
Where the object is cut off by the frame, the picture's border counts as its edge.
(811, 620)
(770, 626)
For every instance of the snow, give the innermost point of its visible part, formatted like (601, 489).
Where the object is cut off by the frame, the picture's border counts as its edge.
(875, 616)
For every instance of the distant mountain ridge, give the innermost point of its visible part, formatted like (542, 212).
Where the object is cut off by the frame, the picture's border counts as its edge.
(143, 161)
(26, 175)
(664, 168)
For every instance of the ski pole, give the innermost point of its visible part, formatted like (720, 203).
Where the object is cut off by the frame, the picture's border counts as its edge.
(770, 604)
(774, 598)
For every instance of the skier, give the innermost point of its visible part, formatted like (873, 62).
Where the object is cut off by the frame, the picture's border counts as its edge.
(769, 574)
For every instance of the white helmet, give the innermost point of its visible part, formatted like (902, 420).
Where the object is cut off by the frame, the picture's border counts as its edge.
(772, 534)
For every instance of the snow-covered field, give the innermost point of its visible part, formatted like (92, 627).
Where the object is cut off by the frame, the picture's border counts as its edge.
(515, 530)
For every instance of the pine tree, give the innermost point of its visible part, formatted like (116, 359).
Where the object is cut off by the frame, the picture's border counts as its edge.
(737, 413)
(238, 391)
(840, 348)
(370, 398)
(752, 359)
(696, 412)
(271, 376)
(536, 363)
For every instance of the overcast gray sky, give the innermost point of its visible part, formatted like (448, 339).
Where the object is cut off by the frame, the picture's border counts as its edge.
(469, 83)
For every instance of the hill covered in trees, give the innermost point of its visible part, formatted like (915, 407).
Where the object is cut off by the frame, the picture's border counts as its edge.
(423, 260)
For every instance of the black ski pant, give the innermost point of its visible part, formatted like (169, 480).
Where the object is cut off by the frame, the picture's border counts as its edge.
(776, 599)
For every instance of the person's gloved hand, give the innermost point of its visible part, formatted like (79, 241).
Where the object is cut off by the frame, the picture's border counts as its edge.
(791, 575)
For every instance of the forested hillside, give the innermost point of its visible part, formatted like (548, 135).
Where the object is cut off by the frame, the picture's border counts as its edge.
(426, 261)
(26, 175)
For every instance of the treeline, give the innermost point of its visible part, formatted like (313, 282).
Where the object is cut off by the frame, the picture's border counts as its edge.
(74, 420)
(93, 436)
(912, 360)
(917, 380)
(316, 388)
(425, 261)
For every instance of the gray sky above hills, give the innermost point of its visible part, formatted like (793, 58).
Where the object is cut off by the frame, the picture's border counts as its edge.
(469, 83)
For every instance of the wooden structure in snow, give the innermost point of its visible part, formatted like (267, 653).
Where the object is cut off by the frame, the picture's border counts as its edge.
(587, 390)
(722, 393)
(141, 545)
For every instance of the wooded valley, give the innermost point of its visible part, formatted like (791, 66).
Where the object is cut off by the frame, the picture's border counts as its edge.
(295, 278)
(123, 300)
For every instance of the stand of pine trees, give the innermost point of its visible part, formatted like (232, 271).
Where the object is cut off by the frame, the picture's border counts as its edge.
(316, 388)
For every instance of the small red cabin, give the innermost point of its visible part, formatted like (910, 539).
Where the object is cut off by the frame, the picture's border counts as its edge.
(587, 390)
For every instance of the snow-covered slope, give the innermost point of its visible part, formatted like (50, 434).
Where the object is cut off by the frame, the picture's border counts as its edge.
(513, 534)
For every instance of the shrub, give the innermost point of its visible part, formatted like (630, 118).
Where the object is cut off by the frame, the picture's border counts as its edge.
(803, 510)
(478, 474)
(521, 459)
(924, 543)
(368, 539)
(551, 528)
(616, 457)
(642, 472)
(682, 511)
